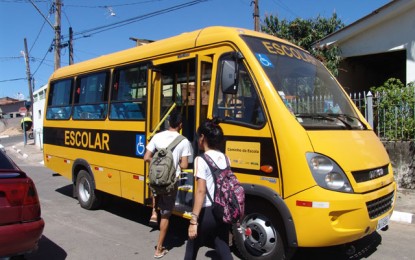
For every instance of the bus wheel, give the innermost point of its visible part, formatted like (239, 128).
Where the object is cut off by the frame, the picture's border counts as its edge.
(258, 236)
(87, 195)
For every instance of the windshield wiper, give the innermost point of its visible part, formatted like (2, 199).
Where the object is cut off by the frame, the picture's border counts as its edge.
(316, 116)
(345, 118)
(328, 117)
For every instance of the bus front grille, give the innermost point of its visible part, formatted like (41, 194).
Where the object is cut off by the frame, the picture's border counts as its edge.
(379, 206)
(368, 175)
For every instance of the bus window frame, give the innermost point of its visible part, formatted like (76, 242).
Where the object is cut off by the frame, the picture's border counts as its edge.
(95, 111)
(141, 103)
(240, 64)
(63, 111)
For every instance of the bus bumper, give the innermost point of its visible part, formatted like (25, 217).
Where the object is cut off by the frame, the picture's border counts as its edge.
(334, 218)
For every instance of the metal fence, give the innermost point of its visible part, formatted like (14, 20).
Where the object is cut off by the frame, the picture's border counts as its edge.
(391, 114)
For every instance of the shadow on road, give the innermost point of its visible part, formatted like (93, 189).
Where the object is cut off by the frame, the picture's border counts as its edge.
(47, 250)
(359, 249)
(177, 235)
(124, 208)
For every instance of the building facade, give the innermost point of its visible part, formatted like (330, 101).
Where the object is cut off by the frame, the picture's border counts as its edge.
(377, 47)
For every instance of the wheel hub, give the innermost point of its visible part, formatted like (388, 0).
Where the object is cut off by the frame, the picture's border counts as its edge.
(84, 190)
(259, 235)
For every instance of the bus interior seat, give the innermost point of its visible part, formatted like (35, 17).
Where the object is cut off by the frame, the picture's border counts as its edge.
(117, 111)
(134, 110)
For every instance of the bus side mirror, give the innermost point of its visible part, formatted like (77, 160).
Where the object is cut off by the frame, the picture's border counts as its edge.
(229, 80)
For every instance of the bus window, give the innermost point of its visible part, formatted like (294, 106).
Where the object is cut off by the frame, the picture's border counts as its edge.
(91, 97)
(178, 86)
(242, 106)
(60, 100)
(128, 93)
(206, 72)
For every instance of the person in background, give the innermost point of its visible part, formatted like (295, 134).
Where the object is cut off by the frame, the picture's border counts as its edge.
(183, 151)
(204, 228)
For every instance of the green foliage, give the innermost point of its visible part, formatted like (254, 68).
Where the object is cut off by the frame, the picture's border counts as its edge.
(394, 109)
(305, 33)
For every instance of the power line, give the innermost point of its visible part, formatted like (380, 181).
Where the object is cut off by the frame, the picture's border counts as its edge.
(9, 58)
(41, 62)
(116, 5)
(89, 32)
(8, 80)
(37, 37)
(284, 6)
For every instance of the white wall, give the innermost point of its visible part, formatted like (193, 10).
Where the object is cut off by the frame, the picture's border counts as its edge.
(395, 33)
(38, 114)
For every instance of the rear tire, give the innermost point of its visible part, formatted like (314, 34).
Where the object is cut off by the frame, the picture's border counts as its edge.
(88, 197)
(259, 236)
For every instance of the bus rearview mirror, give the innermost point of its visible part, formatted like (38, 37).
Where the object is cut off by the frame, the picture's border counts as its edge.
(229, 79)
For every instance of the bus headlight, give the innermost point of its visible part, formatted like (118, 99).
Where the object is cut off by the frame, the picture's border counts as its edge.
(327, 173)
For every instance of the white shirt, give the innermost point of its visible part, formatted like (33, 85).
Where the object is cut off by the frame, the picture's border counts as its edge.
(164, 139)
(203, 172)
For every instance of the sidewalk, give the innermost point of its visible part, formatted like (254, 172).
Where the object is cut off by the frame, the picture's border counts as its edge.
(404, 211)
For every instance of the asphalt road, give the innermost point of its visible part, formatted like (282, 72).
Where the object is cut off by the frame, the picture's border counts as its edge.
(120, 230)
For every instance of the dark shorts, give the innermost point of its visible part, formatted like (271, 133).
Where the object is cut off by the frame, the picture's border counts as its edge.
(166, 202)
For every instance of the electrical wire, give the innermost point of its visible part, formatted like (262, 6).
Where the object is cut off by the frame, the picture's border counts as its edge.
(41, 62)
(284, 6)
(8, 80)
(116, 5)
(37, 37)
(89, 32)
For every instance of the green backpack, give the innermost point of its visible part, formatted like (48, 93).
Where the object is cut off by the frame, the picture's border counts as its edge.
(162, 176)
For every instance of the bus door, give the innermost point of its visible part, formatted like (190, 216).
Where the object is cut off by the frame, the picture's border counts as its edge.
(195, 96)
(249, 143)
(172, 87)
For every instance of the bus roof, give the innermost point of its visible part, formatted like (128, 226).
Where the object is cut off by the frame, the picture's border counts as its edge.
(177, 43)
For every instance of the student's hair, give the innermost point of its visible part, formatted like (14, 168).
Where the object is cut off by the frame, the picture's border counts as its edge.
(175, 118)
(212, 132)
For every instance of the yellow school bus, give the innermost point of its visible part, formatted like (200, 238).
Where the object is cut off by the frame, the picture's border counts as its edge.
(314, 172)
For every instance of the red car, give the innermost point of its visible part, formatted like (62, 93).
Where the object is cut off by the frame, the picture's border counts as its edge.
(21, 225)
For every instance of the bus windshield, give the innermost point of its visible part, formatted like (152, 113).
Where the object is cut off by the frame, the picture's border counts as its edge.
(308, 90)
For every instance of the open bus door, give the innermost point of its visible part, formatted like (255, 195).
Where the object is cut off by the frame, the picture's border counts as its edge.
(195, 97)
(182, 85)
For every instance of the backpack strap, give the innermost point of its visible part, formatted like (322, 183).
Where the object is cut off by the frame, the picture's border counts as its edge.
(175, 142)
(213, 169)
(211, 163)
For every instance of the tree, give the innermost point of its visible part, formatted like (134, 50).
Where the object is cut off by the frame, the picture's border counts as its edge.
(305, 33)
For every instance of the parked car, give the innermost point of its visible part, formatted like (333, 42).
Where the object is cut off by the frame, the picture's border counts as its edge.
(21, 224)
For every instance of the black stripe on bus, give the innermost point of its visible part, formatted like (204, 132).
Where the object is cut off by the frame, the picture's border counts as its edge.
(132, 144)
(123, 143)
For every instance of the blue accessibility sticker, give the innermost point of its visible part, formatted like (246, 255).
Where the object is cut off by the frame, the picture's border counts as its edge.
(140, 147)
(264, 60)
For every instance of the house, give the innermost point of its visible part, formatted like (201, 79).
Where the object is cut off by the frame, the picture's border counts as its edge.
(377, 47)
(11, 108)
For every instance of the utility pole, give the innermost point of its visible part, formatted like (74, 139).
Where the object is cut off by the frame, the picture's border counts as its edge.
(256, 15)
(70, 46)
(57, 34)
(29, 82)
(29, 76)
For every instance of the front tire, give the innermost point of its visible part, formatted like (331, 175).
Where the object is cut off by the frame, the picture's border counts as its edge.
(87, 196)
(259, 235)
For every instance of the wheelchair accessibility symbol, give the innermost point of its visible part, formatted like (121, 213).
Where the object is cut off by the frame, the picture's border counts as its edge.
(264, 60)
(140, 145)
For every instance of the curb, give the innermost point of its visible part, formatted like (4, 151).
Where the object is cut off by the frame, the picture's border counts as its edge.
(20, 152)
(402, 217)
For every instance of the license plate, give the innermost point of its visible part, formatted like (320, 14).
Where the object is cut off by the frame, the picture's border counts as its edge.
(383, 222)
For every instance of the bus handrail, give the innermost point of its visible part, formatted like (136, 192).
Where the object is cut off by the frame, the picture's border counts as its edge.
(162, 121)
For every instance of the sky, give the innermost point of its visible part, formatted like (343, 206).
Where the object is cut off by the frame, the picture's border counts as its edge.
(105, 26)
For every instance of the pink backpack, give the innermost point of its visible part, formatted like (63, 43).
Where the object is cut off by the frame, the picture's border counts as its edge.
(229, 196)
